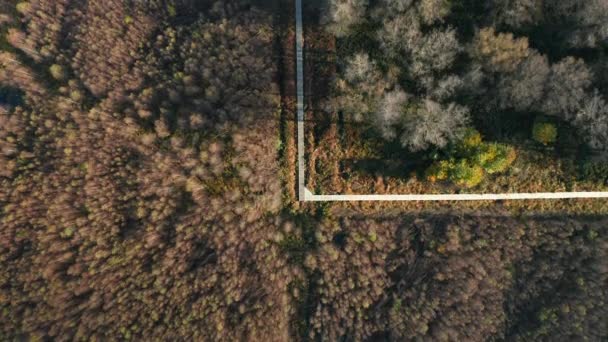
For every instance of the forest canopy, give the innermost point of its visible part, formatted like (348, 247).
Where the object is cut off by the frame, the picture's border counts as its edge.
(147, 172)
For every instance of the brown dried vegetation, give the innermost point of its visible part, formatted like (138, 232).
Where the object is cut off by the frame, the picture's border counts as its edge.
(150, 211)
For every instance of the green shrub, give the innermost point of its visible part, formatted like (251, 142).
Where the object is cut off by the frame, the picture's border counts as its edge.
(471, 159)
(495, 158)
(467, 174)
(470, 142)
(544, 132)
(171, 10)
(439, 171)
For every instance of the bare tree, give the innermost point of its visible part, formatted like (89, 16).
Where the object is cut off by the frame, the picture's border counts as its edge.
(580, 23)
(433, 124)
(390, 112)
(342, 15)
(523, 89)
(566, 88)
(592, 119)
(435, 52)
(399, 34)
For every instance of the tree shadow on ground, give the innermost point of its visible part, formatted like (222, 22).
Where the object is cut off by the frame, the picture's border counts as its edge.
(11, 96)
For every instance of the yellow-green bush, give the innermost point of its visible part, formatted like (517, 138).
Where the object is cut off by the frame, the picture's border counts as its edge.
(57, 72)
(439, 171)
(470, 141)
(495, 158)
(544, 132)
(467, 174)
(471, 160)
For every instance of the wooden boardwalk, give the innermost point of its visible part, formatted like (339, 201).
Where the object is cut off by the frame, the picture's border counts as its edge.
(300, 99)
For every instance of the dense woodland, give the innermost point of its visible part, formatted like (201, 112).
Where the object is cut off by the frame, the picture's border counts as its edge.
(425, 73)
(145, 174)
